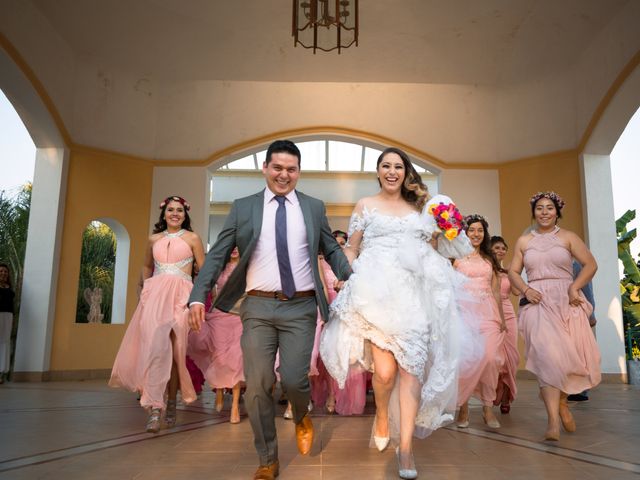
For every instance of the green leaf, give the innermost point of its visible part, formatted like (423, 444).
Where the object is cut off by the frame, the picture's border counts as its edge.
(630, 267)
(621, 223)
(625, 239)
(633, 311)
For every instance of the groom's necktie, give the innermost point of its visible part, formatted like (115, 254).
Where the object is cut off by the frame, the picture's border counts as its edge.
(284, 265)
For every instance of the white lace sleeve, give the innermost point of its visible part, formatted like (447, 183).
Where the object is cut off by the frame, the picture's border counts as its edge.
(356, 224)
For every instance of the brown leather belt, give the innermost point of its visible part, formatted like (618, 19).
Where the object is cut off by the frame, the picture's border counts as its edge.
(281, 296)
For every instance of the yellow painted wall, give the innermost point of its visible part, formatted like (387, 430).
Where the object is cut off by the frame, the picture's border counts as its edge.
(109, 185)
(99, 185)
(519, 180)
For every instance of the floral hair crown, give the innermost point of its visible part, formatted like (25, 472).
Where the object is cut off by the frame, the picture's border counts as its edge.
(174, 198)
(469, 219)
(553, 196)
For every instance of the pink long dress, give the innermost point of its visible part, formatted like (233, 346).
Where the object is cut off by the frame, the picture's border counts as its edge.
(215, 349)
(507, 376)
(482, 381)
(559, 345)
(143, 363)
(351, 399)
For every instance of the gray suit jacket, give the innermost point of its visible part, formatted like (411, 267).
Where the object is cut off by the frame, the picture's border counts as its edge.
(242, 229)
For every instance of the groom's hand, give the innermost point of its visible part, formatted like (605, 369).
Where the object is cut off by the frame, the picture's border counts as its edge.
(196, 316)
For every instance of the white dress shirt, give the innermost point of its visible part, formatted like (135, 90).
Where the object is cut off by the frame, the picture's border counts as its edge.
(262, 271)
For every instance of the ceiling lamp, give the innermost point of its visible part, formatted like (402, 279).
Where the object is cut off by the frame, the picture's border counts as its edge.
(325, 24)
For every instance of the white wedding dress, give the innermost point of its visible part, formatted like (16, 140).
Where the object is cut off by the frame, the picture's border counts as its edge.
(403, 296)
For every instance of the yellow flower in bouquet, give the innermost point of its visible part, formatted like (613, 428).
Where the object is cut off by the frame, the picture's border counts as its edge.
(451, 233)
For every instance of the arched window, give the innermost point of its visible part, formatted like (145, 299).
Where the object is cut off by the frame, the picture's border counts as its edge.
(102, 284)
(325, 155)
(336, 169)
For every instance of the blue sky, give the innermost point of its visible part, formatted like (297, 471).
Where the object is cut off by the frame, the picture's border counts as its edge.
(17, 151)
(624, 174)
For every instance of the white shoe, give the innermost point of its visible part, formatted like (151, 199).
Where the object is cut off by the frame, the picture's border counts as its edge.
(381, 442)
(464, 424)
(288, 413)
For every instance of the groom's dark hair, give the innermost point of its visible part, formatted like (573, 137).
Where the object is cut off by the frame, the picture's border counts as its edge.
(286, 146)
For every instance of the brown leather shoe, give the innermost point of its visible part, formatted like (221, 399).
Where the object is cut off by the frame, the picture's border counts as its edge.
(304, 435)
(267, 472)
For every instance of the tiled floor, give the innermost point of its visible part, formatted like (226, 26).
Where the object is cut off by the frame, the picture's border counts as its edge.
(84, 430)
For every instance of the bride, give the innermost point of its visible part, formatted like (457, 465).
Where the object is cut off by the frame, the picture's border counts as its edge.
(397, 315)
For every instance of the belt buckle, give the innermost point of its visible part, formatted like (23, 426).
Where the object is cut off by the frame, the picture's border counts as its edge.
(281, 296)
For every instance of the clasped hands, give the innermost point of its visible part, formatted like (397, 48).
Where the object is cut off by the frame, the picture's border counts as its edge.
(534, 296)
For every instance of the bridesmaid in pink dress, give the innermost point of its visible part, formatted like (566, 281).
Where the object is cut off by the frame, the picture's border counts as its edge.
(215, 349)
(559, 345)
(507, 389)
(484, 285)
(152, 356)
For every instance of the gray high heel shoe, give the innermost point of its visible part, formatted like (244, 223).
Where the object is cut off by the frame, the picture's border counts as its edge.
(405, 473)
(153, 422)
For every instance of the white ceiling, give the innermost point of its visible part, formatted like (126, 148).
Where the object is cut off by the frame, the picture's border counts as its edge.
(464, 80)
(489, 42)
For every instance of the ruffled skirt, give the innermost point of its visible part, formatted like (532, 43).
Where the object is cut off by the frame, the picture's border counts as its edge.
(406, 303)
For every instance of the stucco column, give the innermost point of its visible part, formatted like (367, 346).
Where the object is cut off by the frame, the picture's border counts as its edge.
(38, 302)
(601, 239)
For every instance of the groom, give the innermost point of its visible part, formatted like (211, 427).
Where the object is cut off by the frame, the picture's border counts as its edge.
(279, 233)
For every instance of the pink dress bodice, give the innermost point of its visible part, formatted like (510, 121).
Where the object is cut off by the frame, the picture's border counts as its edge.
(171, 254)
(479, 272)
(546, 258)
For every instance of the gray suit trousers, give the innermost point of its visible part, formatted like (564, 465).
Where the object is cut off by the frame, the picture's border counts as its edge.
(269, 325)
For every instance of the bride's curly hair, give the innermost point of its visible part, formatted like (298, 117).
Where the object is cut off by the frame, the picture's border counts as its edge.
(413, 188)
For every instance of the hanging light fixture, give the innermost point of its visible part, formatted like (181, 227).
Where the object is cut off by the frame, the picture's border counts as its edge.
(325, 24)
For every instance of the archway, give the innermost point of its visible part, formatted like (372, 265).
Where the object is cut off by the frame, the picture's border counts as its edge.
(33, 346)
(616, 111)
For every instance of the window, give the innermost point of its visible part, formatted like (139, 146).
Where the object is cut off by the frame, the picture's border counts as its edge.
(104, 260)
(322, 156)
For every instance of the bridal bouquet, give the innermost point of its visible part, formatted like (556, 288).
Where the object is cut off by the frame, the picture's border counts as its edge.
(448, 218)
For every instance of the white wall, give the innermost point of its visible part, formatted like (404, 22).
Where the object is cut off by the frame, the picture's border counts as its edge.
(474, 191)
